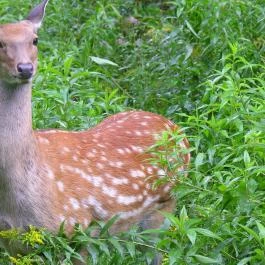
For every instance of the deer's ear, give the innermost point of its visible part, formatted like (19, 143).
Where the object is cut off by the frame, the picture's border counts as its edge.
(36, 15)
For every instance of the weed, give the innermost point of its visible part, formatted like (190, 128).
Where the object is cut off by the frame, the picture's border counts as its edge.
(200, 63)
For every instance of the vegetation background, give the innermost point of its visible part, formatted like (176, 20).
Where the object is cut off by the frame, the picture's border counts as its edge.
(199, 63)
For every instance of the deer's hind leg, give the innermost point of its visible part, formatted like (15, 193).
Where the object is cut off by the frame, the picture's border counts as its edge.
(154, 219)
(150, 220)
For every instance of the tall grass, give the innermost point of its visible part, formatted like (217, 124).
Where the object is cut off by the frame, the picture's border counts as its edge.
(200, 63)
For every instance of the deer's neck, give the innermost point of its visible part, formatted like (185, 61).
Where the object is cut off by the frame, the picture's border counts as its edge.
(16, 124)
(21, 184)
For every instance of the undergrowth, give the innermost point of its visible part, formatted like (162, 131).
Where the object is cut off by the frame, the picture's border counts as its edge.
(199, 63)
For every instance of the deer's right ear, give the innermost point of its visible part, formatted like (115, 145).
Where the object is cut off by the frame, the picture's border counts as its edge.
(36, 15)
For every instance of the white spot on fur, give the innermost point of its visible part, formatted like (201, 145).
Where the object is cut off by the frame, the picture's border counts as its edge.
(99, 165)
(60, 186)
(84, 161)
(97, 206)
(150, 170)
(144, 123)
(90, 155)
(109, 191)
(75, 158)
(126, 200)
(161, 173)
(136, 173)
(140, 197)
(75, 203)
(94, 180)
(66, 149)
(118, 164)
(120, 151)
(50, 174)
(146, 204)
(135, 186)
(147, 132)
(44, 140)
(137, 149)
(119, 181)
(103, 158)
(116, 180)
(127, 150)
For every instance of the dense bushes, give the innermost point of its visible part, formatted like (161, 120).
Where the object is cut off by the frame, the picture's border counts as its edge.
(200, 63)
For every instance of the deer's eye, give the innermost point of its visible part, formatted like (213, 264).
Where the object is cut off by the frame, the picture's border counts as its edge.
(2, 45)
(35, 41)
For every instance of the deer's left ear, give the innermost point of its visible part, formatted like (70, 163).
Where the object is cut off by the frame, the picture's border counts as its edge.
(36, 15)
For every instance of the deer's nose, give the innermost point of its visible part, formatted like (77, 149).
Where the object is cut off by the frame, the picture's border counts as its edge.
(25, 70)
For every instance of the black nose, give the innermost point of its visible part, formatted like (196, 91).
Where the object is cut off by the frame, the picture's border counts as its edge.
(25, 70)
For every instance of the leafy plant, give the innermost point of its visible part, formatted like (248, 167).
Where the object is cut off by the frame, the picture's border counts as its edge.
(199, 63)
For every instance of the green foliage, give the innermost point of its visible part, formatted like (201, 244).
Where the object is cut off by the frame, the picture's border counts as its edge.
(200, 63)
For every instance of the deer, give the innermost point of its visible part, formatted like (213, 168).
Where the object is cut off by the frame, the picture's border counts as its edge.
(52, 176)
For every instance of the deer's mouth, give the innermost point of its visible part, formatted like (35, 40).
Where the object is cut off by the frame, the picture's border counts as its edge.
(26, 76)
(20, 79)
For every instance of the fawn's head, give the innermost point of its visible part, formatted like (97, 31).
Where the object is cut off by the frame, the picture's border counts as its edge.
(18, 47)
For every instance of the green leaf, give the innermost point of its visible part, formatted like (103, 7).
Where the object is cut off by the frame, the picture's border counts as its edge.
(246, 158)
(93, 251)
(191, 28)
(102, 61)
(106, 227)
(244, 261)
(131, 248)
(183, 214)
(252, 185)
(192, 236)
(117, 246)
(67, 65)
(174, 255)
(173, 219)
(261, 229)
(251, 232)
(206, 260)
(199, 160)
(207, 233)
(48, 255)
(260, 254)
(189, 50)
(104, 248)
